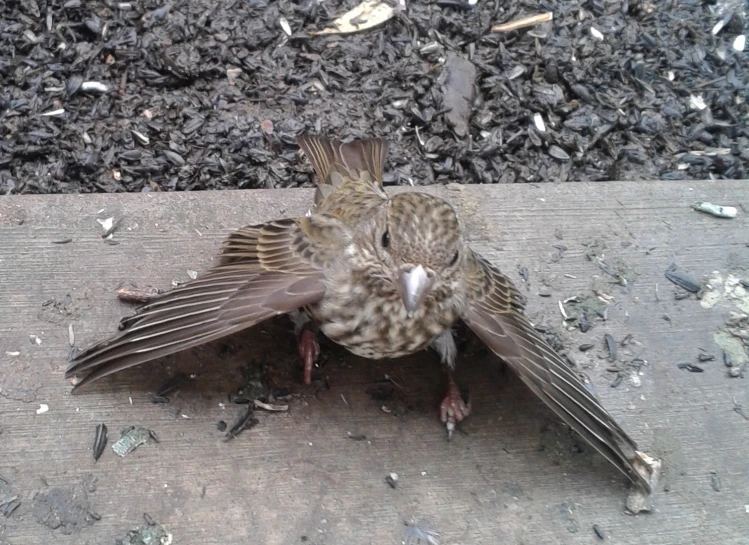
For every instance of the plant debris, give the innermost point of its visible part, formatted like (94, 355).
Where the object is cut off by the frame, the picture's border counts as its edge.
(152, 533)
(131, 438)
(9, 500)
(368, 14)
(716, 210)
(419, 532)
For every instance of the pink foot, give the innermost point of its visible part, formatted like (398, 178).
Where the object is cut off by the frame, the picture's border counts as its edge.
(309, 349)
(453, 409)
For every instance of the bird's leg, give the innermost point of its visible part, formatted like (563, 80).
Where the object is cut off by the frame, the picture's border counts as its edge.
(452, 409)
(307, 345)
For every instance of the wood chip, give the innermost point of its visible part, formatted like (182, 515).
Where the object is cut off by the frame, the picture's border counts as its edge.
(524, 22)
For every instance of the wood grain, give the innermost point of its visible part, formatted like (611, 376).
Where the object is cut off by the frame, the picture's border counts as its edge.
(515, 475)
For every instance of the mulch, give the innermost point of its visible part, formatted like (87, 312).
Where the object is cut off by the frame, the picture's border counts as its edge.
(147, 95)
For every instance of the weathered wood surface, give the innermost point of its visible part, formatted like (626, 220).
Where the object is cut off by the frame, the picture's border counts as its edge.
(515, 475)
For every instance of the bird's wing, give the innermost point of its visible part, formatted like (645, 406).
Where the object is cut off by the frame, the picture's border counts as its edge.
(335, 162)
(265, 270)
(495, 313)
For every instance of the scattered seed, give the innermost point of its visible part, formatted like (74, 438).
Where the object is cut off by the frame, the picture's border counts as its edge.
(100, 440)
(727, 359)
(94, 86)
(391, 481)
(63, 241)
(174, 158)
(140, 137)
(691, 368)
(611, 346)
(682, 280)
(285, 25)
(599, 532)
(705, 357)
(715, 482)
(558, 153)
(538, 120)
(696, 102)
(584, 323)
(586, 347)
(221, 425)
(246, 422)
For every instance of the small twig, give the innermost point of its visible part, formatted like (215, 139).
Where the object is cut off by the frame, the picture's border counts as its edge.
(525, 22)
(270, 408)
(136, 295)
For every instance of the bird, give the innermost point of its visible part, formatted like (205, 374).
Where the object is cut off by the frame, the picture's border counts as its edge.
(383, 276)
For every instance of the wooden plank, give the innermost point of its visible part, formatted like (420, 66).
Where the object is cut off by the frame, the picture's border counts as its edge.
(513, 476)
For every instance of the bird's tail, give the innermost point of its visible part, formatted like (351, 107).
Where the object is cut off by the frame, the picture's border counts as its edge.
(333, 161)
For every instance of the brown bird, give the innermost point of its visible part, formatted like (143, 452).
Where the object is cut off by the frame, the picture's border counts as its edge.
(383, 277)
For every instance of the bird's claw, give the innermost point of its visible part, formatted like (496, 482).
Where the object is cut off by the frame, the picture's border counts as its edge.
(309, 350)
(453, 409)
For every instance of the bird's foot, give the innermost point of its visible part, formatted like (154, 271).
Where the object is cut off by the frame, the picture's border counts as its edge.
(309, 350)
(453, 409)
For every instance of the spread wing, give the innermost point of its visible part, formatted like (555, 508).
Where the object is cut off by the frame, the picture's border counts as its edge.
(494, 313)
(265, 270)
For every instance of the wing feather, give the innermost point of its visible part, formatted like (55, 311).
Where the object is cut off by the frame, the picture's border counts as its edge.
(265, 270)
(495, 314)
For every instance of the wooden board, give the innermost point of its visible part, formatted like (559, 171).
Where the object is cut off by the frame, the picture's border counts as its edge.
(512, 475)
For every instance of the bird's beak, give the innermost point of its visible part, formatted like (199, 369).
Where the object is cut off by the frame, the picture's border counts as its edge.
(413, 286)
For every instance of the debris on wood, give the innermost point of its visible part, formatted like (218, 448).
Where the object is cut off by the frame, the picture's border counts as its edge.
(420, 532)
(151, 534)
(270, 407)
(640, 500)
(9, 500)
(682, 280)
(611, 346)
(715, 209)
(137, 295)
(691, 368)
(131, 438)
(100, 440)
(247, 421)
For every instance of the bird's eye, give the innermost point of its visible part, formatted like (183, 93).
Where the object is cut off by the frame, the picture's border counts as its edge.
(386, 239)
(455, 259)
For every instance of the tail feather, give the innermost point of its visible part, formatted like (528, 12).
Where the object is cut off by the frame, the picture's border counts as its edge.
(333, 161)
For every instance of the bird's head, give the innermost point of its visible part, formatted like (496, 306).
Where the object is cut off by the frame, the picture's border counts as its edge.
(419, 240)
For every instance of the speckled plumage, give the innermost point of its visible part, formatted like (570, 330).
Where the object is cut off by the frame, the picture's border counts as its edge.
(341, 265)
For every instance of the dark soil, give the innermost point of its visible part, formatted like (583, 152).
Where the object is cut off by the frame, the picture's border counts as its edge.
(202, 94)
